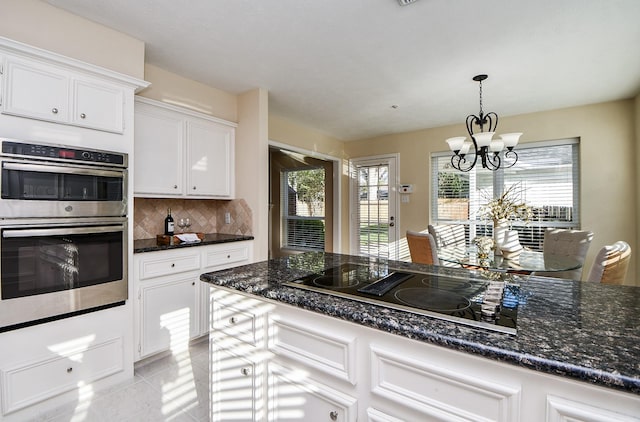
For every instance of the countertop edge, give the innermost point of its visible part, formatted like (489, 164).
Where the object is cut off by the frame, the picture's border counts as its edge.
(151, 245)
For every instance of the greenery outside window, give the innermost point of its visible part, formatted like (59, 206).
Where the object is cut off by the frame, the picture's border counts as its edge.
(303, 205)
(548, 177)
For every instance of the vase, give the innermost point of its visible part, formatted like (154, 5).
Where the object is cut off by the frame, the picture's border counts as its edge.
(500, 227)
(511, 247)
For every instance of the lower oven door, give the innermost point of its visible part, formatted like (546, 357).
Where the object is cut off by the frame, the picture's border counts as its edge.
(50, 269)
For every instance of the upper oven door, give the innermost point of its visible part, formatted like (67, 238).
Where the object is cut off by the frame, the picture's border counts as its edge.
(41, 189)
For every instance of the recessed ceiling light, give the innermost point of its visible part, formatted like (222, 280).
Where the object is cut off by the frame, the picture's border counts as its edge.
(406, 2)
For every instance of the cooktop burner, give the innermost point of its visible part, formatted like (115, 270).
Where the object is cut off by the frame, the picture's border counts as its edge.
(471, 300)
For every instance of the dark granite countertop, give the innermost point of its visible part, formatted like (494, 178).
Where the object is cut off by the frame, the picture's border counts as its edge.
(151, 245)
(579, 330)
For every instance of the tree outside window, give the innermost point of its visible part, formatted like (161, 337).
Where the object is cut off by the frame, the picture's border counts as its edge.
(304, 205)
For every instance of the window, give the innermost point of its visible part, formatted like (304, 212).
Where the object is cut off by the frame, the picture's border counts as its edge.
(548, 174)
(303, 208)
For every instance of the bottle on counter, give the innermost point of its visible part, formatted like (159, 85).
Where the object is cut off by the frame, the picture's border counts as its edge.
(168, 224)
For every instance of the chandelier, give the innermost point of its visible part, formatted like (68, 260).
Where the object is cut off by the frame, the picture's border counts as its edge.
(489, 150)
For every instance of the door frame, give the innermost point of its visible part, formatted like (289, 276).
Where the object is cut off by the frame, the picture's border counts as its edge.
(337, 190)
(394, 205)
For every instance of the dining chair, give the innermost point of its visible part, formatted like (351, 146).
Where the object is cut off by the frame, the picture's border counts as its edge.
(569, 243)
(448, 234)
(422, 247)
(611, 264)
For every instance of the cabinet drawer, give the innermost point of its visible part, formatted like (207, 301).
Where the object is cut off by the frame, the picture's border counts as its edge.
(160, 265)
(30, 383)
(224, 257)
(236, 323)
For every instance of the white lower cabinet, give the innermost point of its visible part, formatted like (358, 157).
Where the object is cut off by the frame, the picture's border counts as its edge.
(235, 386)
(171, 306)
(45, 366)
(281, 363)
(168, 313)
(294, 396)
(29, 383)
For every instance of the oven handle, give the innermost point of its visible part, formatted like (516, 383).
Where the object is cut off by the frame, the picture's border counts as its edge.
(62, 231)
(46, 168)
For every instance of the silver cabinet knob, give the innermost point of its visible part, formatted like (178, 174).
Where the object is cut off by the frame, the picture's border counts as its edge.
(173, 265)
(245, 371)
(54, 110)
(194, 188)
(82, 115)
(232, 320)
(193, 283)
(333, 415)
(69, 370)
(175, 186)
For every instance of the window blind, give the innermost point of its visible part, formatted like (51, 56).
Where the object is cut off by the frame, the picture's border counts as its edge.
(303, 205)
(547, 179)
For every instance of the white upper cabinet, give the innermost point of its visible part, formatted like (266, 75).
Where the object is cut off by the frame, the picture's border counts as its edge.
(35, 91)
(46, 92)
(180, 153)
(209, 153)
(97, 105)
(158, 145)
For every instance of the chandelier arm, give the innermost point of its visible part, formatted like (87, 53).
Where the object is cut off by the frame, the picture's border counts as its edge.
(493, 124)
(491, 161)
(509, 154)
(459, 160)
(471, 119)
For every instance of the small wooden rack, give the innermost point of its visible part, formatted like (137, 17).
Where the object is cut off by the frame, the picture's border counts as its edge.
(164, 239)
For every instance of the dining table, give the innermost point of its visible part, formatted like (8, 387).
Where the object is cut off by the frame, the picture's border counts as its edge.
(527, 262)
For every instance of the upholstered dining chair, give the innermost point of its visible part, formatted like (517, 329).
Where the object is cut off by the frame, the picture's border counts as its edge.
(611, 264)
(448, 234)
(564, 242)
(422, 247)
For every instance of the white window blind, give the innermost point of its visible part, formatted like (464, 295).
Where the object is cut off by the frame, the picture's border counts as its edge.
(547, 175)
(303, 205)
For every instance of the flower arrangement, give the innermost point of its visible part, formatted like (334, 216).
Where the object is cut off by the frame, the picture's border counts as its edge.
(508, 206)
(483, 242)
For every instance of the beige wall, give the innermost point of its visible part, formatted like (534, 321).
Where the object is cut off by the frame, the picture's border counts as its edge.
(608, 166)
(182, 92)
(38, 24)
(252, 164)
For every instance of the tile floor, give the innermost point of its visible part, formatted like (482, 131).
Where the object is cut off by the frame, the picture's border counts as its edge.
(171, 388)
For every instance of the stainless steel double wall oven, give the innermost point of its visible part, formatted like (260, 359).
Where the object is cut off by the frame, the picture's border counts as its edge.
(63, 232)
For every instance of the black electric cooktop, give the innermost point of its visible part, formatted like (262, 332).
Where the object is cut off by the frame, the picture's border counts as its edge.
(473, 300)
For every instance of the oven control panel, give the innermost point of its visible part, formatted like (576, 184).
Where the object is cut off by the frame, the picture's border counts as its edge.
(59, 152)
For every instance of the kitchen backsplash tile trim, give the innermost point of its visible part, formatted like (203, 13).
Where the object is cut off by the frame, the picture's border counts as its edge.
(207, 216)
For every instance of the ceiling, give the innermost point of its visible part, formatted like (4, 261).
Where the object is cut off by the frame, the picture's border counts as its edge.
(342, 66)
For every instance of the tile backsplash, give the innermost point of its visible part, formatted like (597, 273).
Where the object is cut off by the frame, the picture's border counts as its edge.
(207, 216)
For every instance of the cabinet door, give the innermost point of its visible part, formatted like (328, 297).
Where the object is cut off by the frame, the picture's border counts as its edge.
(97, 105)
(210, 158)
(158, 149)
(295, 397)
(168, 314)
(36, 91)
(235, 387)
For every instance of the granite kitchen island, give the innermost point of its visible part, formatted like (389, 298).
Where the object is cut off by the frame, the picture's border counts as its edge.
(585, 335)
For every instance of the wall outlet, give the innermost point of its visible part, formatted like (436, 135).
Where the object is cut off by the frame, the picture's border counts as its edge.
(227, 218)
